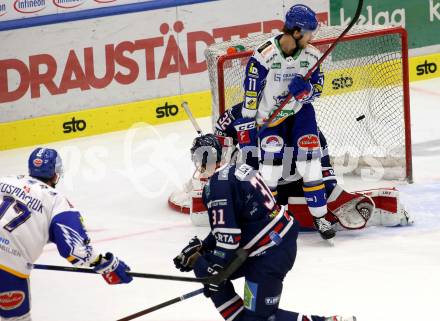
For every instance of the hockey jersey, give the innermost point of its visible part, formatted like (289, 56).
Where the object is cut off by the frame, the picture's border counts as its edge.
(33, 214)
(268, 74)
(242, 213)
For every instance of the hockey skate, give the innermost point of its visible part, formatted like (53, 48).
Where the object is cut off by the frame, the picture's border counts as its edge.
(339, 318)
(324, 228)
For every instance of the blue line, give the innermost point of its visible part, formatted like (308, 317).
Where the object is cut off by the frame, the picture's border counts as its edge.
(95, 13)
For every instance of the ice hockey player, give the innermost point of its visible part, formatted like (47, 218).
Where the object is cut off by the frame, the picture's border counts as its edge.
(275, 70)
(243, 213)
(32, 214)
(348, 210)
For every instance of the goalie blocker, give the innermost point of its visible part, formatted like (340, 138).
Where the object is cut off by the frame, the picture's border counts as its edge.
(375, 207)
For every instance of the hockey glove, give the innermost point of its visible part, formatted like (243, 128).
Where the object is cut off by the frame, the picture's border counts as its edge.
(186, 259)
(203, 268)
(113, 270)
(246, 131)
(301, 89)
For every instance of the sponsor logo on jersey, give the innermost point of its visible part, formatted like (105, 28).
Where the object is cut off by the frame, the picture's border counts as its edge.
(304, 64)
(74, 125)
(220, 254)
(251, 93)
(68, 4)
(253, 71)
(272, 143)
(273, 300)
(245, 127)
(29, 6)
(4, 241)
(2, 9)
(11, 299)
(308, 142)
(276, 65)
(250, 295)
(166, 110)
(283, 77)
(227, 238)
(426, 68)
(342, 82)
(37, 162)
(251, 103)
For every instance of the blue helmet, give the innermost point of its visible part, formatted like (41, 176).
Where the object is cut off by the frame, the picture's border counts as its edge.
(302, 17)
(45, 163)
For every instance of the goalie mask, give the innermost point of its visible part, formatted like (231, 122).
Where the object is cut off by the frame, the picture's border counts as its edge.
(206, 152)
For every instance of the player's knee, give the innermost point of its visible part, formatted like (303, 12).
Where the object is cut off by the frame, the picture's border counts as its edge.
(271, 174)
(310, 170)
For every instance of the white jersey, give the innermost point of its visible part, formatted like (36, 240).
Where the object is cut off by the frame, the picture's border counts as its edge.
(268, 75)
(27, 207)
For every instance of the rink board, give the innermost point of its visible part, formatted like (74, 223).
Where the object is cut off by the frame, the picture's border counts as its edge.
(101, 120)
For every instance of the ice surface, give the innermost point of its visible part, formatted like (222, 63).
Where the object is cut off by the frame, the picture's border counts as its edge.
(121, 182)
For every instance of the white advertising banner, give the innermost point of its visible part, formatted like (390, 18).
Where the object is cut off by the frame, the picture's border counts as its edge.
(18, 9)
(105, 61)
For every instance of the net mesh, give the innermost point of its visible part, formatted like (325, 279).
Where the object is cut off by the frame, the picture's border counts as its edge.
(361, 110)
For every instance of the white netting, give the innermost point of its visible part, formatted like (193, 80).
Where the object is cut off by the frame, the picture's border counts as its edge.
(361, 111)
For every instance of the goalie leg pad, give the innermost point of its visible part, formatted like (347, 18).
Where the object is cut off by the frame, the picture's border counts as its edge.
(389, 210)
(298, 206)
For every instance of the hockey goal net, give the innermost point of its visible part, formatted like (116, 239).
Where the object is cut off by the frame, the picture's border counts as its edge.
(364, 109)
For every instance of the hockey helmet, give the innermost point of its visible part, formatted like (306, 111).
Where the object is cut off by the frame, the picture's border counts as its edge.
(45, 163)
(301, 16)
(206, 149)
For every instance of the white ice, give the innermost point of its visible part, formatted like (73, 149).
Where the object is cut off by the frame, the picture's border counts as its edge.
(121, 182)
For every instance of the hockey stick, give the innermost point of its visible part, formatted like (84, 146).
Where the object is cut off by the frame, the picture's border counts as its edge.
(240, 257)
(162, 305)
(191, 118)
(309, 73)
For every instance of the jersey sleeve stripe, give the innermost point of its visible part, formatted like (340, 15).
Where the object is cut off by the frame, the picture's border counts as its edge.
(228, 246)
(226, 230)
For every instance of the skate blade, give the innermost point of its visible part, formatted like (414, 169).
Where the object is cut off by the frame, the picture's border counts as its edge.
(330, 242)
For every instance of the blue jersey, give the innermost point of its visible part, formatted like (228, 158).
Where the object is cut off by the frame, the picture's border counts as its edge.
(242, 213)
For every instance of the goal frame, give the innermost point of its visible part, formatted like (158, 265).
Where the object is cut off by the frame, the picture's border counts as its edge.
(328, 41)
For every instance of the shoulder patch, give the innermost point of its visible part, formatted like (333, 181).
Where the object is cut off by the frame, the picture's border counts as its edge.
(264, 46)
(224, 172)
(243, 171)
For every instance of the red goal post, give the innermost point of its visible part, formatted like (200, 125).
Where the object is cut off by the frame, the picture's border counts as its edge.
(364, 111)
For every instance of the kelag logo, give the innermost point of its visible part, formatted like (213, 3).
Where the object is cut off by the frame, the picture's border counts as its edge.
(426, 68)
(74, 126)
(167, 111)
(29, 6)
(2, 9)
(68, 4)
(342, 82)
